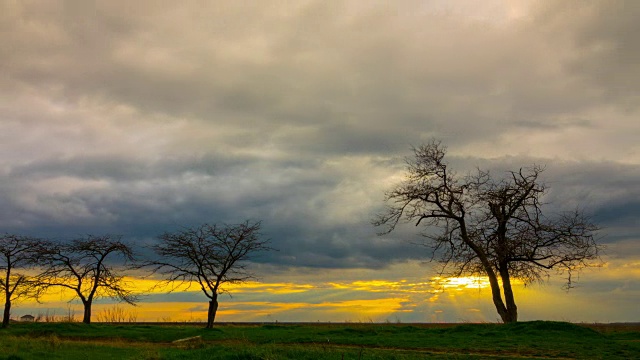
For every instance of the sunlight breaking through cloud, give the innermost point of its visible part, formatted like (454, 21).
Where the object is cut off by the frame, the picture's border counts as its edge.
(440, 284)
(141, 118)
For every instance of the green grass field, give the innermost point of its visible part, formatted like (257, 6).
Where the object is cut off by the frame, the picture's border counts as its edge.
(527, 340)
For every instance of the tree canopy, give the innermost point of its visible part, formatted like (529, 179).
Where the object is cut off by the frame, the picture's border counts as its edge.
(209, 255)
(17, 257)
(91, 267)
(490, 226)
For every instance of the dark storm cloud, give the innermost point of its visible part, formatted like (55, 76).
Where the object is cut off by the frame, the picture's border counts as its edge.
(141, 200)
(136, 118)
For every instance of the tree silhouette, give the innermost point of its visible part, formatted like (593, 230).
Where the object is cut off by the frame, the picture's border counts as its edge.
(489, 226)
(209, 255)
(90, 267)
(17, 256)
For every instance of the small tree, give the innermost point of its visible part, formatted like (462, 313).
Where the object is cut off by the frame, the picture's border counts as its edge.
(16, 256)
(87, 266)
(489, 226)
(210, 255)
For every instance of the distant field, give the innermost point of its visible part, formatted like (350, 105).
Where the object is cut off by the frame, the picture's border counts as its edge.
(527, 340)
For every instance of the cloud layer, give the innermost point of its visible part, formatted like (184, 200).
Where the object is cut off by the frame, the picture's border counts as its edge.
(136, 118)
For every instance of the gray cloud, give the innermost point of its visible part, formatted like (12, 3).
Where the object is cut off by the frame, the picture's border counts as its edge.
(605, 50)
(136, 119)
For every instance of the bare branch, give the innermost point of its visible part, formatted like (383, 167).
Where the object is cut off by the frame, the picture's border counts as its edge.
(490, 226)
(17, 259)
(88, 267)
(210, 255)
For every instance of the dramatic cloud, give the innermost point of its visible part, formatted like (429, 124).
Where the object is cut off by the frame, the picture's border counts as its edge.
(137, 118)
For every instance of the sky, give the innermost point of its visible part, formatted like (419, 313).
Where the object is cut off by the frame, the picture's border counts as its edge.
(136, 118)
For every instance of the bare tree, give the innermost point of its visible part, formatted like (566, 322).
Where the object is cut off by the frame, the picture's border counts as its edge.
(209, 255)
(494, 227)
(16, 258)
(90, 267)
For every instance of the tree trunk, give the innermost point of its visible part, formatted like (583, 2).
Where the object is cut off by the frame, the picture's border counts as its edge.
(512, 309)
(213, 308)
(497, 297)
(7, 313)
(506, 312)
(87, 312)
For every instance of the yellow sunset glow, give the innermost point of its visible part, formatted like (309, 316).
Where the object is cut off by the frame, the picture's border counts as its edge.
(460, 283)
(436, 299)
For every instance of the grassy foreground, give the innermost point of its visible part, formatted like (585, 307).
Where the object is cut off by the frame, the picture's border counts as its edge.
(528, 340)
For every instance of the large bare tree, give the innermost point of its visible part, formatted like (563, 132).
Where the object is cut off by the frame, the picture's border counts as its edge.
(209, 255)
(488, 226)
(17, 257)
(91, 267)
